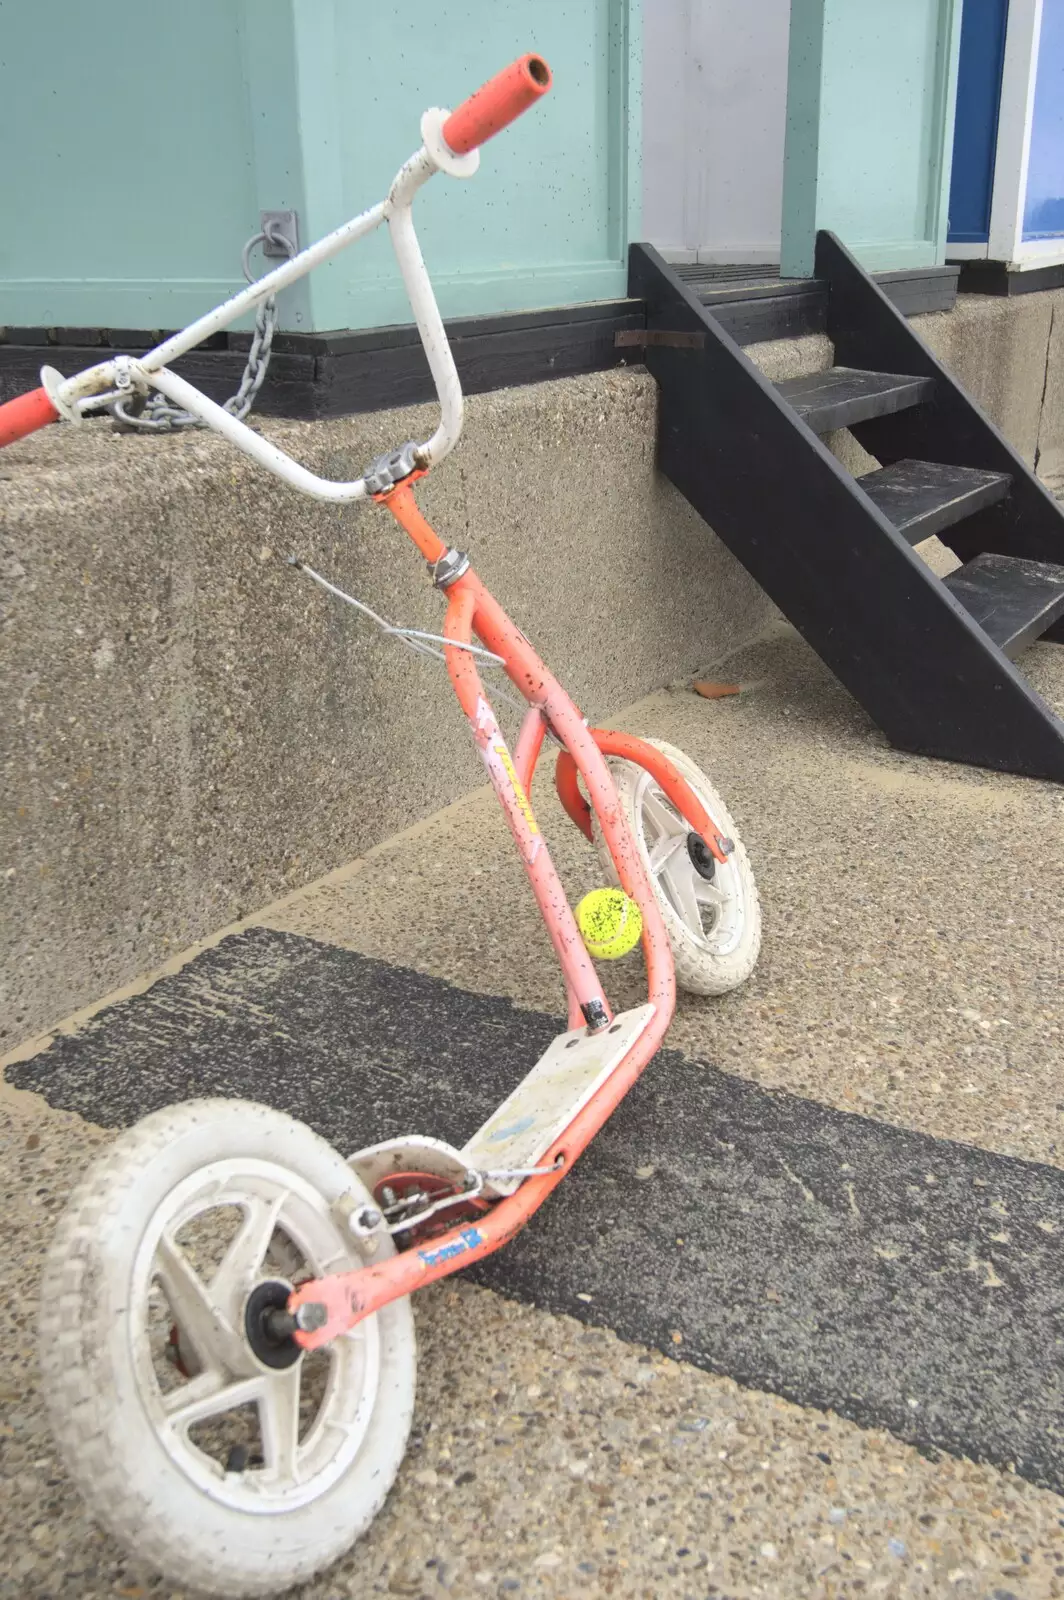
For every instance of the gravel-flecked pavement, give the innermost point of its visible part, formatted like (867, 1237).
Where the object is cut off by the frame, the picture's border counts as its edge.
(911, 973)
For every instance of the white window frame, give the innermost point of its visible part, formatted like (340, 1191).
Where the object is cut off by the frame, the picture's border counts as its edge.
(1019, 75)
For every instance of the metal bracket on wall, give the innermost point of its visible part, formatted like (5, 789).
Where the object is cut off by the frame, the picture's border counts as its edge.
(277, 226)
(640, 338)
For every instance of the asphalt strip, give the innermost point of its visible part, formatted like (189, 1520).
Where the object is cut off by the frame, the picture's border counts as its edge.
(900, 1280)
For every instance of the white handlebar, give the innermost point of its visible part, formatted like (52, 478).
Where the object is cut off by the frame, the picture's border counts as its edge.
(96, 386)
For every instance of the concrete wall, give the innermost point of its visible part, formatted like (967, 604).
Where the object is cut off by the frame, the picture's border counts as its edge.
(191, 728)
(1009, 354)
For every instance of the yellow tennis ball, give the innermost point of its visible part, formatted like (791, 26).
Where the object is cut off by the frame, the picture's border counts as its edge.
(610, 924)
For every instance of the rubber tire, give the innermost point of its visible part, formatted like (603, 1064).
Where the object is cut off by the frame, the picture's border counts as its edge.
(109, 1444)
(698, 971)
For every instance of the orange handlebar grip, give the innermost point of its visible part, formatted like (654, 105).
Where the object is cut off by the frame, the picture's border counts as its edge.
(497, 103)
(25, 414)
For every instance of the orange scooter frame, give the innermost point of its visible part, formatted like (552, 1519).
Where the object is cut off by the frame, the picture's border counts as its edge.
(344, 1299)
(204, 1505)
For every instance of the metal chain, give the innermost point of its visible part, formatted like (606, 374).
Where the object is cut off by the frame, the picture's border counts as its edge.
(156, 414)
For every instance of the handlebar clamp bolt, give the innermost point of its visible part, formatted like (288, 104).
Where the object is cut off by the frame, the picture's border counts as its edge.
(391, 468)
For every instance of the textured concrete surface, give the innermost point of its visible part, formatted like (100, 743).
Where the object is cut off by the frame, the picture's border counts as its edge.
(553, 1459)
(836, 1260)
(194, 727)
(1006, 352)
(911, 972)
(912, 961)
(1049, 454)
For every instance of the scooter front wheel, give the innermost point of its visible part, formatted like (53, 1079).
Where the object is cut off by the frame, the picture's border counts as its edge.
(204, 1439)
(711, 909)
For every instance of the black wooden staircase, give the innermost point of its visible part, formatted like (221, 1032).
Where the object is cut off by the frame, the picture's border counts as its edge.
(929, 658)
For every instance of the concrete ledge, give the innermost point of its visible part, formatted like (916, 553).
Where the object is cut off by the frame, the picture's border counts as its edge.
(193, 728)
(1009, 355)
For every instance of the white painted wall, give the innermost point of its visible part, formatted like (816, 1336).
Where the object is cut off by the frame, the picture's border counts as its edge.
(714, 109)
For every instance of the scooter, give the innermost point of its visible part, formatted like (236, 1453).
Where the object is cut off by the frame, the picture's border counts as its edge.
(226, 1334)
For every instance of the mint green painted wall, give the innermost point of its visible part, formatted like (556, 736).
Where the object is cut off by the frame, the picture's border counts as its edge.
(871, 92)
(545, 219)
(102, 193)
(121, 213)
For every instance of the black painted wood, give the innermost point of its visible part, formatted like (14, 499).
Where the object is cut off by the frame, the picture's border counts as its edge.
(867, 331)
(827, 554)
(339, 374)
(783, 314)
(1014, 602)
(842, 396)
(354, 341)
(28, 336)
(912, 289)
(354, 370)
(288, 391)
(924, 497)
(398, 374)
(996, 277)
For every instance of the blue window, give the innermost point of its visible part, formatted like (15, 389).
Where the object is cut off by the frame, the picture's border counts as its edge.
(1043, 211)
(975, 129)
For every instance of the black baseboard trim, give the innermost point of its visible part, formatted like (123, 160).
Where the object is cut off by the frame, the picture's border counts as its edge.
(321, 375)
(755, 303)
(994, 277)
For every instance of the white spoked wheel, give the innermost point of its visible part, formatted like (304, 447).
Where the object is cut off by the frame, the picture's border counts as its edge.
(233, 1461)
(710, 908)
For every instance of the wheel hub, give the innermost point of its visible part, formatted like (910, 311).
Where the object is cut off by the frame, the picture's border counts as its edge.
(269, 1325)
(701, 857)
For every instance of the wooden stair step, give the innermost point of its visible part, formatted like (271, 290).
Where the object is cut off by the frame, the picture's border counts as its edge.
(845, 395)
(1014, 601)
(924, 497)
